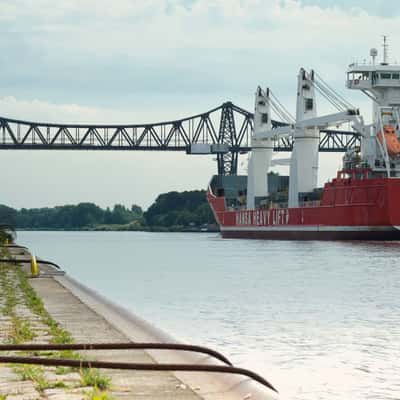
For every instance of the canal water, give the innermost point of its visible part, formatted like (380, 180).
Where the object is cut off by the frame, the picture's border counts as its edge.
(319, 320)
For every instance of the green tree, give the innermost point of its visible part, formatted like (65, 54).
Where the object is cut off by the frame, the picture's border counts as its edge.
(8, 216)
(121, 215)
(7, 223)
(136, 211)
(169, 209)
(183, 209)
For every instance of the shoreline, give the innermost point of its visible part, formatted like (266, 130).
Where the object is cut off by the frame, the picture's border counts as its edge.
(60, 293)
(155, 230)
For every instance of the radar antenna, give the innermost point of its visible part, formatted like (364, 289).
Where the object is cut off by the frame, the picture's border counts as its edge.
(373, 53)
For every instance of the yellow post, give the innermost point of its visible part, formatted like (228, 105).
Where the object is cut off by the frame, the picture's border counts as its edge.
(6, 242)
(34, 266)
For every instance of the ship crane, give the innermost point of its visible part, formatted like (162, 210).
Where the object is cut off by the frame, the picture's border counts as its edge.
(304, 129)
(322, 122)
(262, 143)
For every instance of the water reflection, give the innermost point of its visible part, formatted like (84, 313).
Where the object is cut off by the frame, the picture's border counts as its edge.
(319, 319)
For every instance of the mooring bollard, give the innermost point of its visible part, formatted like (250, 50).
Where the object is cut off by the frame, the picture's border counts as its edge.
(34, 266)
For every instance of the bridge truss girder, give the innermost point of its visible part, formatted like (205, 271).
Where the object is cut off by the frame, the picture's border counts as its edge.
(227, 125)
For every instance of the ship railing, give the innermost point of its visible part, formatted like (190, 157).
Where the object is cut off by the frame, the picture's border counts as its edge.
(279, 205)
(232, 206)
(312, 203)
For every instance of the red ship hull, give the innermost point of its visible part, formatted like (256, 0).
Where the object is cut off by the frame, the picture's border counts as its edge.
(350, 209)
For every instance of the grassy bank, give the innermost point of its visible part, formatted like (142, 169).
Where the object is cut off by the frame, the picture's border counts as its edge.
(25, 320)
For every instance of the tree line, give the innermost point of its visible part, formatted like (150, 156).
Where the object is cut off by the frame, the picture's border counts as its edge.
(173, 210)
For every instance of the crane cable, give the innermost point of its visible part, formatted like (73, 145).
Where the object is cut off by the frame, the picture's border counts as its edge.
(338, 101)
(287, 116)
(347, 103)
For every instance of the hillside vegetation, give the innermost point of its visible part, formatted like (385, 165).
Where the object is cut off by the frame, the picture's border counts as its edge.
(171, 211)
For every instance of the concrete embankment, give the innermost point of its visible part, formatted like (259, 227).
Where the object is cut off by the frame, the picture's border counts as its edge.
(61, 310)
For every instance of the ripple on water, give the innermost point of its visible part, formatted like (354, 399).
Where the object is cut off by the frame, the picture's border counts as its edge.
(319, 320)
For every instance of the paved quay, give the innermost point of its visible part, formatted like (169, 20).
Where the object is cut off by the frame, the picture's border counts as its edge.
(58, 310)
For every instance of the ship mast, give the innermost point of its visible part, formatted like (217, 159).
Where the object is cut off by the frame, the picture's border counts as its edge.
(385, 50)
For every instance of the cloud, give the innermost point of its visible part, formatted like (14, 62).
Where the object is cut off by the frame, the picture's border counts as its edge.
(142, 61)
(119, 56)
(89, 48)
(37, 110)
(383, 8)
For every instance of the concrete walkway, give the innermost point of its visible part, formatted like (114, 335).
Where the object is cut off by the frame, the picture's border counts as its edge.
(84, 326)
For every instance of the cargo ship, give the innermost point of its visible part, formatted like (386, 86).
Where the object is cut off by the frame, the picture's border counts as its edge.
(361, 203)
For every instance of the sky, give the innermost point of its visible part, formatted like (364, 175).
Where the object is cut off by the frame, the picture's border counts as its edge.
(145, 61)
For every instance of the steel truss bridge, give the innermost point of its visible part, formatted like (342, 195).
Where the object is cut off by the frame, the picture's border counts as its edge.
(227, 129)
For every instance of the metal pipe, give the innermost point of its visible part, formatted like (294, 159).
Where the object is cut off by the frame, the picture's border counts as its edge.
(23, 260)
(137, 366)
(40, 261)
(14, 246)
(116, 346)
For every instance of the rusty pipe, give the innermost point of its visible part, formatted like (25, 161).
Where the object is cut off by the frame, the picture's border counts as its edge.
(137, 366)
(116, 346)
(24, 260)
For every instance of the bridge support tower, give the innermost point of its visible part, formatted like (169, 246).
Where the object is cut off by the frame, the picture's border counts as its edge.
(227, 162)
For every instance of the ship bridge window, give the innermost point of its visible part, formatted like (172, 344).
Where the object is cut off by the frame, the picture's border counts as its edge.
(386, 76)
(396, 76)
(358, 77)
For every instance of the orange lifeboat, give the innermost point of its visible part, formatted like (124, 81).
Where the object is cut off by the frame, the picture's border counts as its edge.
(392, 142)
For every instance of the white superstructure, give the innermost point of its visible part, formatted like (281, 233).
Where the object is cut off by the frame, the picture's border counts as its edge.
(381, 83)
